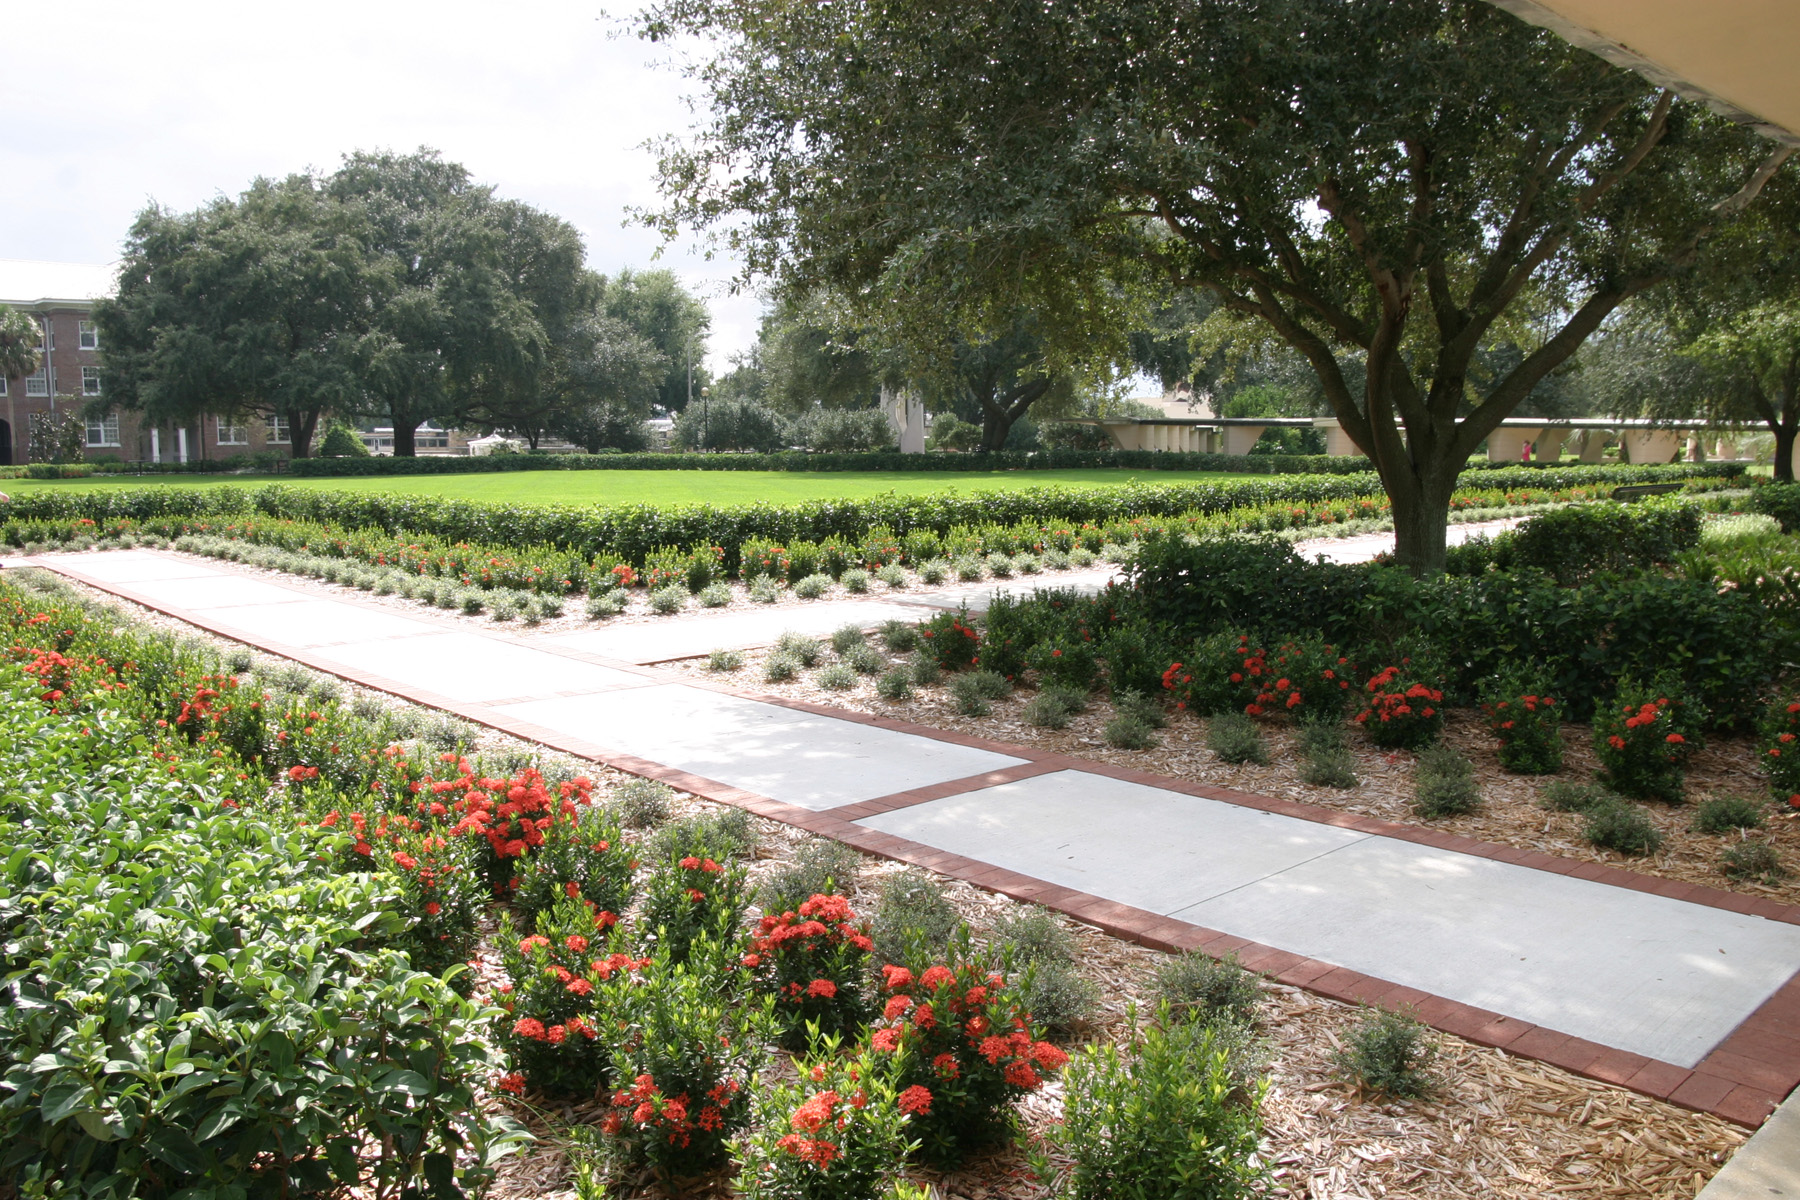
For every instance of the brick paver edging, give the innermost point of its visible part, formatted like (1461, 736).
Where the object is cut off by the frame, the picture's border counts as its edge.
(1741, 1080)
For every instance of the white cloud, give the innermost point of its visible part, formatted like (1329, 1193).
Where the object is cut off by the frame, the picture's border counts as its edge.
(111, 105)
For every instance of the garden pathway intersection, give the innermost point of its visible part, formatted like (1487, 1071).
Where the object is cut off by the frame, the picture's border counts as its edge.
(1674, 990)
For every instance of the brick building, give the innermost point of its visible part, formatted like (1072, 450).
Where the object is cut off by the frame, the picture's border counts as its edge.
(61, 297)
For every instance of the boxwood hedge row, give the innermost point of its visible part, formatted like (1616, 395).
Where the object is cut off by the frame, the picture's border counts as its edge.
(633, 532)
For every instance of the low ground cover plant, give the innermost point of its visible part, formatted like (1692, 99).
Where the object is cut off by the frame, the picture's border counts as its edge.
(1391, 1053)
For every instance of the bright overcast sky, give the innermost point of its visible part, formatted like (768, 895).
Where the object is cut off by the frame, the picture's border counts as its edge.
(114, 104)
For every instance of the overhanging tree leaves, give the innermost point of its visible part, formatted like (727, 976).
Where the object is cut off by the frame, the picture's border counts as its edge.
(1380, 182)
(20, 335)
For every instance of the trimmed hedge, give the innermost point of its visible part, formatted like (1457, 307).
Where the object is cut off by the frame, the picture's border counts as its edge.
(801, 460)
(634, 532)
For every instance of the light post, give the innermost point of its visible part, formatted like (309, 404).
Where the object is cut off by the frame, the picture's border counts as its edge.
(706, 417)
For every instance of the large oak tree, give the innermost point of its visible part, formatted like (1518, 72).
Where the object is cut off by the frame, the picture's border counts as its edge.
(1378, 182)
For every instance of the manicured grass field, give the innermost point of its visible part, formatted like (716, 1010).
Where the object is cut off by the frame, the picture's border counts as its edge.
(654, 487)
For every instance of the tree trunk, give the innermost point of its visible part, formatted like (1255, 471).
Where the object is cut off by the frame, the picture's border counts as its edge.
(995, 425)
(1421, 506)
(301, 427)
(404, 446)
(1784, 452)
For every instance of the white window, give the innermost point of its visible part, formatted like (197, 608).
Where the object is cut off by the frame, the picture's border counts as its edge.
(90, 335)
(103, 431)
(276, 431)
(232, 435)
(2, 385)
(37, 384)
(90, 381)
(44, 341)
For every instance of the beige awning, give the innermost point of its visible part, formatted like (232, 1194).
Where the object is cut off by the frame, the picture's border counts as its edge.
(1737, 55)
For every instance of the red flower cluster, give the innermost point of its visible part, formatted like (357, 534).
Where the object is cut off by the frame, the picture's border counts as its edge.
(1399, 712)
(669, 1118)
(811, 960)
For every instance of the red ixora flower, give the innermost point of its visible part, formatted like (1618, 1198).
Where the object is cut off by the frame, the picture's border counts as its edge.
(916, 1100)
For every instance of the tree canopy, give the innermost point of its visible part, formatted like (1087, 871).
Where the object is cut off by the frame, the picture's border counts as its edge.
(1390, 187)
(20, 336)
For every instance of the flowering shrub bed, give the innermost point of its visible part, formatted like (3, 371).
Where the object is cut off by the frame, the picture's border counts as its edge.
(837, 1134)
(1779, 750)
(951, 639)
(964, 1051)
(1643, 739)
(691, 897)
(1402, 710)
(1526, 722)
(812, 962)
(558, 977)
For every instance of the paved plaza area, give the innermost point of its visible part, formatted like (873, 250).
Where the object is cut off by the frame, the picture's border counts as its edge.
(1674, 990)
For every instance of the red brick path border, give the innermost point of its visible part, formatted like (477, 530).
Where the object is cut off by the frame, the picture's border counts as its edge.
(1744, 1078)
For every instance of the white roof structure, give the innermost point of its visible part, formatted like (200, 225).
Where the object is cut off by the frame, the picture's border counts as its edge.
(30, 282)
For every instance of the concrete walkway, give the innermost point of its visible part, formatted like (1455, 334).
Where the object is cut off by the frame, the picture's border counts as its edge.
(1675, 990)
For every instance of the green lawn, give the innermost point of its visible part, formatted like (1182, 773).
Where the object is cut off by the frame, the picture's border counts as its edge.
(655, 487)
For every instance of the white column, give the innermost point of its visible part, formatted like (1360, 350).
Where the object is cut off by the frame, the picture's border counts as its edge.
(156, 445)
(1506, 445)
(181, 444)
(1550, 443)
(1593, 445)
(1650, 445)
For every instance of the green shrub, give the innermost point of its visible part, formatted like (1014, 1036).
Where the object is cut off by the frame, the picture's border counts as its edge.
(1526, 721)
(837, 677)
(895, 685)
(1390, 1053)
(1197, 987)
(865, 660)
(340, 441)
(643, 803)
(1726, 814)
(855, 580)
(1621, 826)
(1778, 747)
(925, 668)
(764, 590)
(803, 647)
(1067, 662)
(811, 587)
(1129, 731)
(724, 660)
(669, 599)
(606, 604)
(1753, 860)
(821, 866)
(1739, 530)
(1048, 710)
(934, 571)
(1158, 1119)
(715, 595)
(1643, 739)
(1145, 709)
(899, 636)
(975, 692)
(781, 666)
(1235, 739)
(847, 637)
(1572, 543)
(1781, 501)
(894, 575)
(913, 922)
(1444, 784)
(869, 1139)
(1560, 795)
(1403, 707)
(1326, 758)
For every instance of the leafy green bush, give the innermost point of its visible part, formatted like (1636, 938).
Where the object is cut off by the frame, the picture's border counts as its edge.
(1619, 825)
(689, 899)
(901, 637)
(811, 960)
(975, 691)
(1643, 739)
(1525, 719)
(820, 866)
(1129, 731)
(1403, 707)
(1326, 758)
(1753, 860)
(1158, 1119)
(1197, 987)
(914, 921)
(837, 677)
(1561, 795)
(643, 803)
(669, 599)
(895, 685)
(805, 649)
(1570, 544)
(1444, 784)
(847, 637)
(1727, 814)
(715, 595)
(781, 666)
(835, 1134)
(1781, 501)
(1778, 748)
(1390, 1053)
(811, 587)
(1235, 739)
(725, 660)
